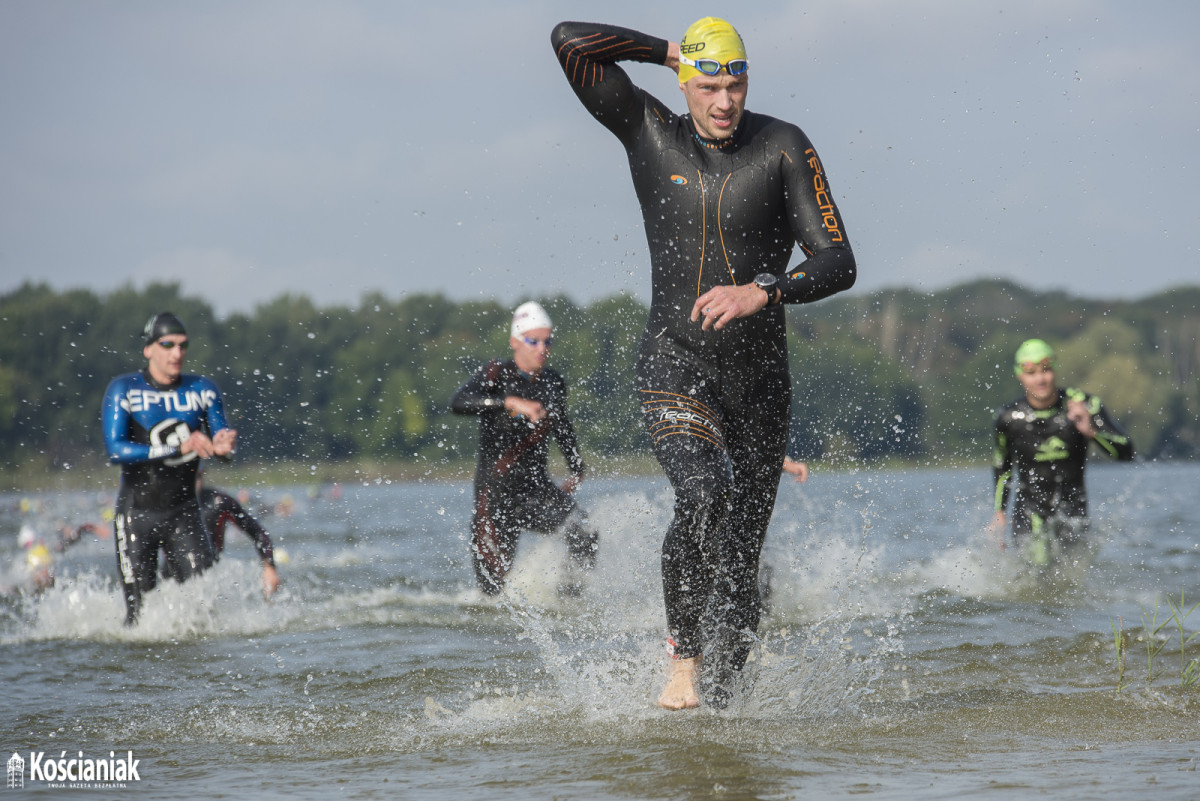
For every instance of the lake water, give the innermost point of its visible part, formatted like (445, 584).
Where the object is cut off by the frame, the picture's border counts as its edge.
(902, 658)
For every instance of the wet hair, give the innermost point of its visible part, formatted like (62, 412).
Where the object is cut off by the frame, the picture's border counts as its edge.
(160, 325)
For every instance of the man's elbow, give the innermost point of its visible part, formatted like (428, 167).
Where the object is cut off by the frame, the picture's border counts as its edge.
(562, 33)
(847, 271)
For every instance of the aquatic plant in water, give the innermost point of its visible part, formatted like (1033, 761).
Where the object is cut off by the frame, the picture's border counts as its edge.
(1156, 641)
(1189, 671)
(1120, 644)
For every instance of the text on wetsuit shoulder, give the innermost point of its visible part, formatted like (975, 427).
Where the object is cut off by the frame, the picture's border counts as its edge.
(824, 201)
(140, 400)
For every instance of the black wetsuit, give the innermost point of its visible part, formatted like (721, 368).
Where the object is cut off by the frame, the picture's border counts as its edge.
(217, 510)
(220, 508)
(512, 489)
(144, 426)
(1049, 454)
(715, 403)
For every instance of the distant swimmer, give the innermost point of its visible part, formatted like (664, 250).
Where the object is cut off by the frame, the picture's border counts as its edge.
(521, 404)
(70, 535)
(726, 194)
(33, 571)
(1042, 440)
(158, 424)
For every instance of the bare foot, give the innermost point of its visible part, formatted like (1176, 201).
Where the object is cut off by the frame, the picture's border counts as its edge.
(680, 692)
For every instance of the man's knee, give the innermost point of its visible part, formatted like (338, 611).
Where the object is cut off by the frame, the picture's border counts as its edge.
(704, 495)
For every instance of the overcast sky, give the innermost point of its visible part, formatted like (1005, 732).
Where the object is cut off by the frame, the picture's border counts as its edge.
(248, 149)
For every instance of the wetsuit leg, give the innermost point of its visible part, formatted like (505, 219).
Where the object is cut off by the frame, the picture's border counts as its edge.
(582, 540)
(547, 509)
(137, 542)
(702, 479)
(756, 439)
(1070, 530)
(735, 606)
(187, 547)
(493, 539)
(685, 423)
(1022, 522)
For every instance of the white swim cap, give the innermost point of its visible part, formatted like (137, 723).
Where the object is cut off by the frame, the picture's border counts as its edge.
(529, 316)
(26, 536)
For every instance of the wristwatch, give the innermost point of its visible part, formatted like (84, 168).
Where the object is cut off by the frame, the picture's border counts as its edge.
(767, 283)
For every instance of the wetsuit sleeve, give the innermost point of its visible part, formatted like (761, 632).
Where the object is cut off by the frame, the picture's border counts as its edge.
(229, 506)
(481, 393)
(564, 434)
(817, 225)
(216, 419)
(588, 53)
(1001, 466)
(1109, 436)
(216, 411)
(117, 425)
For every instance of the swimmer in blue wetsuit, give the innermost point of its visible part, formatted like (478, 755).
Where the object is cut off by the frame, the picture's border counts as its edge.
(1042, 441)
(158, 424)
(726, 194)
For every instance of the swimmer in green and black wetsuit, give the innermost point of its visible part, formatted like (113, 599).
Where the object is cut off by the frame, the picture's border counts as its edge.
(725, 194)
(1043, 438)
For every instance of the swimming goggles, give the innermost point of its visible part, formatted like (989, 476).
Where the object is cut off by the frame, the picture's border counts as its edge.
(167, 344)
(710, 66)
(1045, 365)
(533, 343)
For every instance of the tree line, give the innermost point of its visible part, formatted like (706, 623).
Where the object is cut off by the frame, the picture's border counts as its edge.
(892, 375)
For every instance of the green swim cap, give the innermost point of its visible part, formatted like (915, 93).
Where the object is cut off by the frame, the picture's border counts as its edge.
(1032, 351)
(709, 38)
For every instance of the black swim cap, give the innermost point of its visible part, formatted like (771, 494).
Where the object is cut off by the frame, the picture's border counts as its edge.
(162, 324)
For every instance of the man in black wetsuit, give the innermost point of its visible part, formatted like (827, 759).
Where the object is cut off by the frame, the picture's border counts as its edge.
(218, 509)
(1043, 437)
(158, 423)
(521, 403)
(725, 195)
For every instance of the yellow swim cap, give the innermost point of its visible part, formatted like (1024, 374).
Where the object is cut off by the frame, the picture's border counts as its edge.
(709, 38)
(38, 557)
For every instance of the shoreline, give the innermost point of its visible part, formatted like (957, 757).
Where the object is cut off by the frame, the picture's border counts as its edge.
(102, 477)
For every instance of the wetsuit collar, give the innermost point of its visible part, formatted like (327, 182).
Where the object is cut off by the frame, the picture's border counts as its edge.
(527, 374)
(160, 387)
(717, 144)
